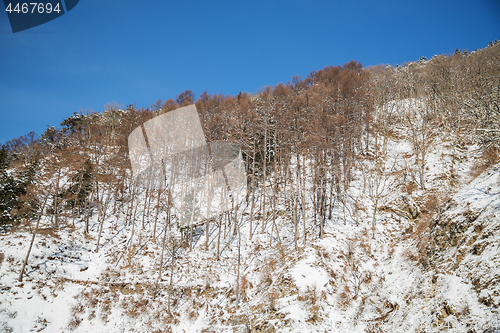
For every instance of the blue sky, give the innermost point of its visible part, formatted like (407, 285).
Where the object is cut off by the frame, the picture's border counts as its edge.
(135, 52)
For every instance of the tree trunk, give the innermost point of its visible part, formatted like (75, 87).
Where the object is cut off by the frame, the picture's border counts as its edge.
(295, 221)
(252, 205)
(144, 208)
(238, 273)
(263, 203)
(156, 215)
(56, 208)
(32, 239)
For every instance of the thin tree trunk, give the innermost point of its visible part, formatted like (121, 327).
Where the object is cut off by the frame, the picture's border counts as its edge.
(321, 209)
(144, 208)
(86, 216)
(304, 204)
(56, 208)
(209, 208)
(171, 278)
(32, 239)
(102, 217)
(263, 207)
(218, 237)
(238, 273)
(191, 218)
(156, 215)
(295, 220)
(253, 193)
(160, 267)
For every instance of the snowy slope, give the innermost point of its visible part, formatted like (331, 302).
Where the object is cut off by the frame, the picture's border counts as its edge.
(402, 277)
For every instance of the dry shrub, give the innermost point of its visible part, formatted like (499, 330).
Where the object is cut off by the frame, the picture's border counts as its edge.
(102, 298)
(314, 311)
(345, 299)
(187, 291)
(268, 272)
(478, 168)
(422, 227)
(309, 296)
(412, 253)
(411, 187)
(257, 247)
(491, 155)
(193, 314)
(431, 204)
(422, 230)
(362, 242)
(161, 317)
(245, 284)
(77, 309)
(75, 320)
(281, 250)
(464, 310)
(74, 323)
(367, 277)
(89, 298)
(106, 307)
(48, 232)
(196, 305)
(110, 274)
(134, 306)
(2, 256)
(353, 274)
(167, 329)
(374, 327)
(59, 284)
(272, 295)
(392, 248)
(323, 253)
(331, 273)
(258, 308)
(454, 178)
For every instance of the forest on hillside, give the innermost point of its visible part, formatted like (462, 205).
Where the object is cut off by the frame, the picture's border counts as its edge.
(346, 143)
(330, 117)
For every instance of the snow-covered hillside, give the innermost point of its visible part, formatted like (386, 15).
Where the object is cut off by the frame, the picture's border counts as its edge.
(411, 245)
(373, 205)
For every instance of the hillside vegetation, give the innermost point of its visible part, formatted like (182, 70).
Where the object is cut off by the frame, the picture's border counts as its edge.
(372, 205)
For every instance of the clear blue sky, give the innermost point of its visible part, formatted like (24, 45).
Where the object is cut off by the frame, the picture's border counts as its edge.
(135, 52)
